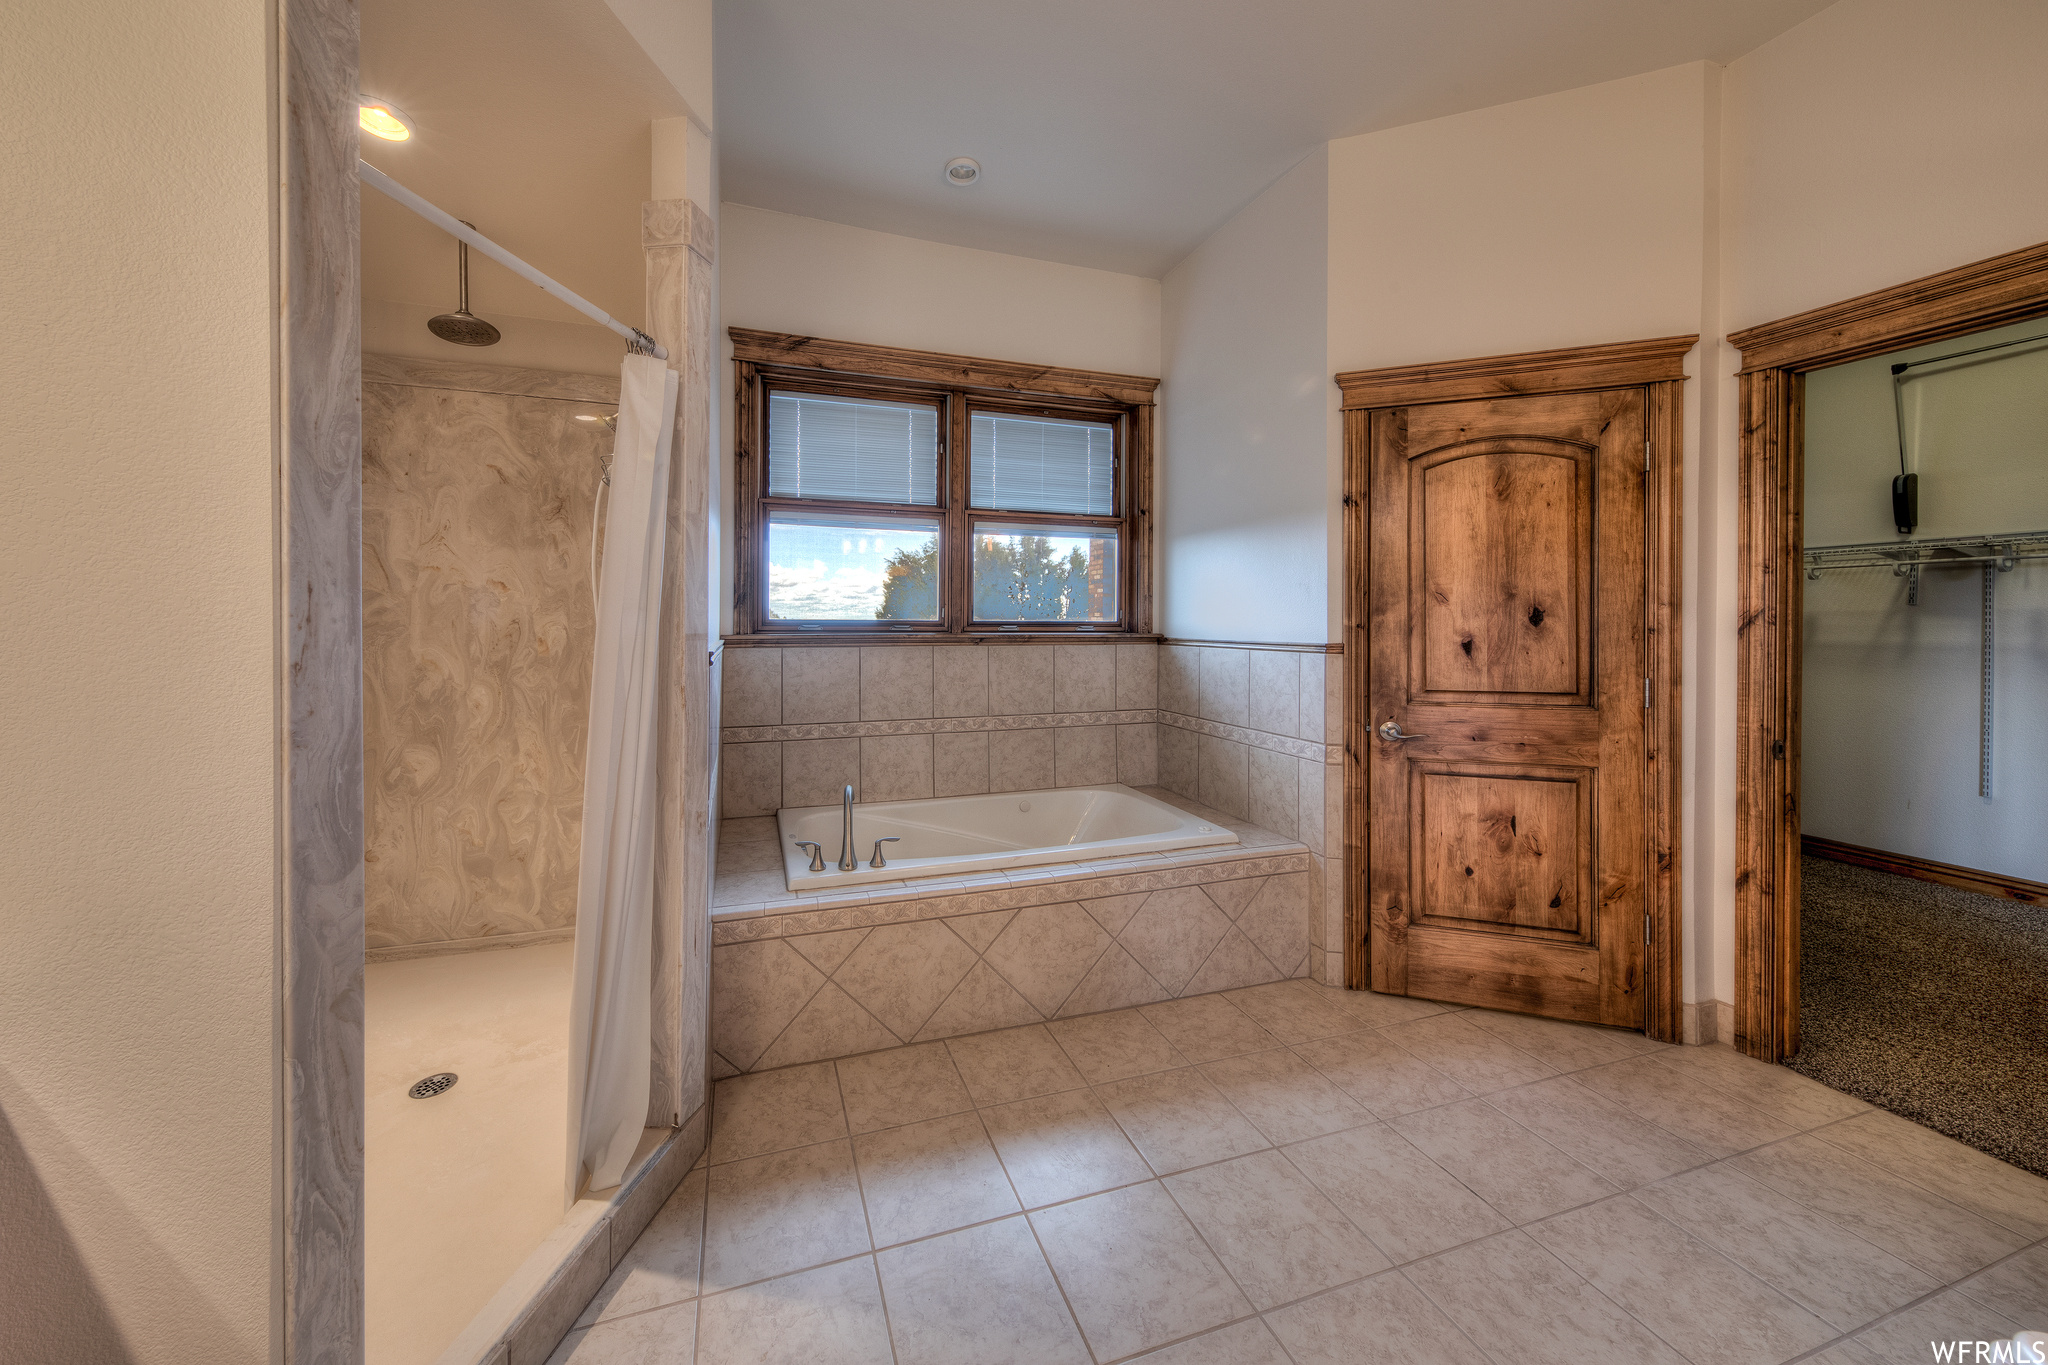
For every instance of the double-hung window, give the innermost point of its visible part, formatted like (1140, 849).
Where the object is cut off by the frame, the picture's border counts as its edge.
(936, 495)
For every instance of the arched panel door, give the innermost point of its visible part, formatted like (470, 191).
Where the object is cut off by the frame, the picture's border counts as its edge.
(1506, 773)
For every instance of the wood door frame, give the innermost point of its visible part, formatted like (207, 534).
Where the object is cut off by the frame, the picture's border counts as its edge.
(1658, 366)
(1776, 357)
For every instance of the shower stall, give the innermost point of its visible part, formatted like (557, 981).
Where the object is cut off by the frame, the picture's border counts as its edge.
(481, 493)
(536, 981)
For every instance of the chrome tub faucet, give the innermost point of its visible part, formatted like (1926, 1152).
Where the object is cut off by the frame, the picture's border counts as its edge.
(848, 859)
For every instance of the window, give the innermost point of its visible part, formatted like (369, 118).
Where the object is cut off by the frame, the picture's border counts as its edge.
(886, 492)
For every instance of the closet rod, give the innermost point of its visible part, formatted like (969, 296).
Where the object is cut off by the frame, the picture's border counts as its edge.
(376, 179)
(1903, 366)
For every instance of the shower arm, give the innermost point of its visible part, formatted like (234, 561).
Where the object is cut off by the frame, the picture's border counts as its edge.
(377, 180)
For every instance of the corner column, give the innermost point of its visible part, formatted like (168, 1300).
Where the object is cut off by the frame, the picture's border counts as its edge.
(676, 236)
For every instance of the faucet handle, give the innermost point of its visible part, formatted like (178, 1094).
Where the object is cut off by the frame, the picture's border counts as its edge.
(878, 860)
(817, 854)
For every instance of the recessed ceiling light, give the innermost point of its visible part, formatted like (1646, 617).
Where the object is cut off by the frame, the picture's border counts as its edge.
(963, 170)
(382, 118)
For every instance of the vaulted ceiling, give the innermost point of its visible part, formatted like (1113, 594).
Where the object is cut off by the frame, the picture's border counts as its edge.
(1119, 133)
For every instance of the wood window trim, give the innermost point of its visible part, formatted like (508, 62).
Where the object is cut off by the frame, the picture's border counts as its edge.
(1776, 357)
(1658, 366)
(764, 358)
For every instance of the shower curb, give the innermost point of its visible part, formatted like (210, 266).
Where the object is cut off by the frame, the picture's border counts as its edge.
(541, 1301)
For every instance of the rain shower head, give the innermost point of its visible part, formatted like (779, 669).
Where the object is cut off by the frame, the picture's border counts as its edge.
(463, 327)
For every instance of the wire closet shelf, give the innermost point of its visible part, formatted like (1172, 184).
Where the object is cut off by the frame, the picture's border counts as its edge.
(1902, 557)
(1989, 555)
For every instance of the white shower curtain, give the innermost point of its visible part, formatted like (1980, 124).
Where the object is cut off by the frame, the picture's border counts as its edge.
(610, 1047)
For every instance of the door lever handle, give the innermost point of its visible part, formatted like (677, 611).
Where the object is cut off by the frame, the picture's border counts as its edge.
(1391, 730)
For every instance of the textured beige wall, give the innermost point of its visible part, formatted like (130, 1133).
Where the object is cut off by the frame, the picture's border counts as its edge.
(1245, 490)
(477, 627)
(138, 1157)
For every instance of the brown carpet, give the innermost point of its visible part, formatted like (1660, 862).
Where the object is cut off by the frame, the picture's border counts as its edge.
(1929, 1001)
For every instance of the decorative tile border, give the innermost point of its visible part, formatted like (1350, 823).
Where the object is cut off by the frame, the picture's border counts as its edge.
(937, 725)
(1255, 739)
(1267, 647)
(748, 924)
(947, 725)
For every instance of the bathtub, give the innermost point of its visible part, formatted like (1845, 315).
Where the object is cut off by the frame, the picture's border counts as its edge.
(958, 834)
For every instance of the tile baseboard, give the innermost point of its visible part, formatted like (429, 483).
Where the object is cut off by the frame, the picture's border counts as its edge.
(1709, 1021)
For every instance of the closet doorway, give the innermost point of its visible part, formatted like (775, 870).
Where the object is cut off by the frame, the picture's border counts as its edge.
(1891, 881)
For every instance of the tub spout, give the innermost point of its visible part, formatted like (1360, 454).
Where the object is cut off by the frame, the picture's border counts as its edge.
(848, 859)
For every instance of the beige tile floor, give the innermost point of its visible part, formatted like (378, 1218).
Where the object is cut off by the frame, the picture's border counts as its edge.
(1296, 1174)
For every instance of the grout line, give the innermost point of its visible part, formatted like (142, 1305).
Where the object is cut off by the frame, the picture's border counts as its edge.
(1849, 1337)
(1140, 1354)
(882, 1297)
(1203, 1237)
(1065, 1301)
(778, 1151)
(1442, 1311)
(1025, 1213)
(703, 1243)
(823, 982)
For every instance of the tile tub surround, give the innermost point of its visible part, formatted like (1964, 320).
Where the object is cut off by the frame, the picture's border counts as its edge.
(1291, 1173)
(1250, 730)
(908, 721)
(477, 627)
(800, 978)
(1257, 731)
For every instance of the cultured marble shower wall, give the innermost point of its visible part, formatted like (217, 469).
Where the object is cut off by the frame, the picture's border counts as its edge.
(478, 484)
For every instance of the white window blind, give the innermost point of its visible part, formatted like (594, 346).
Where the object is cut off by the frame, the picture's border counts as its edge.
(1034, 464)
(851, 448)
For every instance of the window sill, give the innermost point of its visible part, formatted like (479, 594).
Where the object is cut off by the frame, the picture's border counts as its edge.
(863, 636)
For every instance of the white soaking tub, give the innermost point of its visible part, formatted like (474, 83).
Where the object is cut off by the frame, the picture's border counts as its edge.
(952, 835)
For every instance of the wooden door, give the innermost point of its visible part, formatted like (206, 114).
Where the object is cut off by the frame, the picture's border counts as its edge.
(1508, 834)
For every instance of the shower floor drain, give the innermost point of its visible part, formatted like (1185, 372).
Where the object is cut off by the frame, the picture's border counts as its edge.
(438, 1083)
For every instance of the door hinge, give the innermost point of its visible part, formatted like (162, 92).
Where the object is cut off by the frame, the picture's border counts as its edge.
(1646, 931)
(1646, 694)
(1649, 449)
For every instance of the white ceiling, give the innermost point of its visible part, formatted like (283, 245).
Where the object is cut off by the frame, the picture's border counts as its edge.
(531, 121)
(1119, 133)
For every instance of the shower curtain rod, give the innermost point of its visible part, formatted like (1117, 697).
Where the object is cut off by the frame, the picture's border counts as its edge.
(635, 338)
